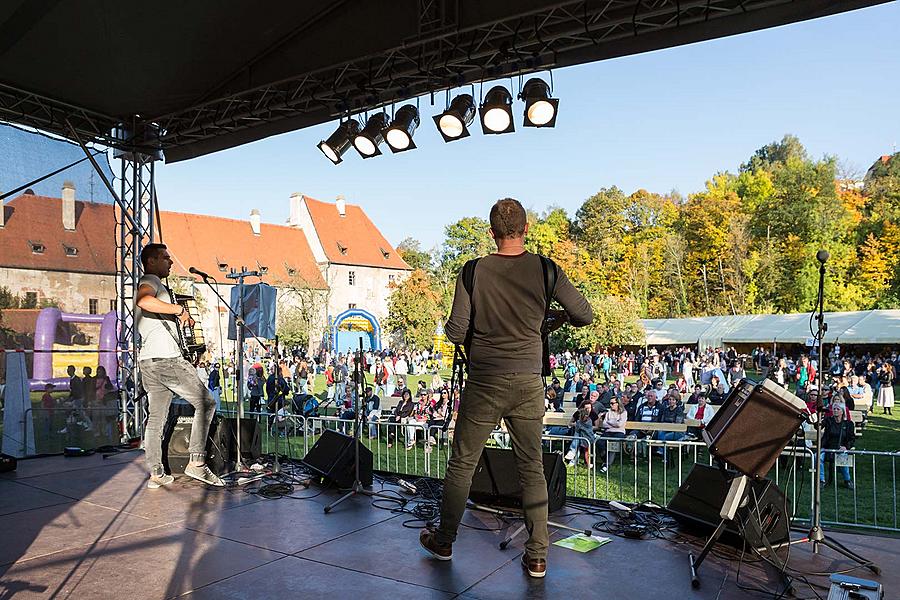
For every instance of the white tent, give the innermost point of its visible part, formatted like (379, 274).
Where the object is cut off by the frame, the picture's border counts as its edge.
(678, 331)
(876, 327)
(721, 328)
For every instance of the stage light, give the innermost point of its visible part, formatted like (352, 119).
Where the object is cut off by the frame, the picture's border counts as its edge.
(339, 142)
(496, 111)
(540, 108)
(453, 123)
(367, 141)
(399, 135)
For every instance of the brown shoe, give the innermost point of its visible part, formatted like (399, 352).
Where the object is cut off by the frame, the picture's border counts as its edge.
(536, 567)
(438, 551)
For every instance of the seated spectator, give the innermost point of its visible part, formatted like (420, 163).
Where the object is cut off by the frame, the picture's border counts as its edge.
(702, 412)
(717, 395)
(837, 434)
(585, 419)
(681, 383)
(402, 413)
(695, 396)
(671, 412)
(648, 412)
(373, 412)
(857, 393)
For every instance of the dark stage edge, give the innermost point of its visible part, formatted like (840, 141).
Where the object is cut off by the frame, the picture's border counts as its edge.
(88, 528)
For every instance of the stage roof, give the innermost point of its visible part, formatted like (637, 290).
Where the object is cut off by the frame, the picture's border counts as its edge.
(214, 75)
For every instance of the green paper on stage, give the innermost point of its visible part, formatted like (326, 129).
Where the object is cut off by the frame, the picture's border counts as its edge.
(582, 543)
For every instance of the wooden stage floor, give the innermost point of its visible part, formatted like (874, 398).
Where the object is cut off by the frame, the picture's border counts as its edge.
(87, 527)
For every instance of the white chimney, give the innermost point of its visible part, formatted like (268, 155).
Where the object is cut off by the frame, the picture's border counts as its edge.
(254, 221)
(2, 214)
(341, 206)
(296, 206)
(68, 206)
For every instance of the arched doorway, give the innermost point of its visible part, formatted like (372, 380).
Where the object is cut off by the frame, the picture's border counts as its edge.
(352, 325)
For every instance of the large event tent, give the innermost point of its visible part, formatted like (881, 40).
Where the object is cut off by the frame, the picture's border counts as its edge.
(860, 327)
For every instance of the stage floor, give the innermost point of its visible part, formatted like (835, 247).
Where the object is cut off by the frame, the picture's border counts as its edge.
(88, 528)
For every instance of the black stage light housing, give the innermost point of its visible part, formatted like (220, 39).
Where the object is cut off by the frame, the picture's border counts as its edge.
(453, 123)
(496, 111)
(367, 141)
(540, 108)
(399, 136)
(340, 141)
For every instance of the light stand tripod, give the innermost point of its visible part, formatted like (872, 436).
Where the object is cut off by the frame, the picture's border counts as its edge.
(816, 533)
(359, 382)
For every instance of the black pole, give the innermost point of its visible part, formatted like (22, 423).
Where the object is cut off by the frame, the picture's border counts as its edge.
(815, 533)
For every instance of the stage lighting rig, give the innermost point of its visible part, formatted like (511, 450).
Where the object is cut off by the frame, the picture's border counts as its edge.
(399, 135)
(367, 141)
(340, 141)
(496, 111)
(540, 108)
(453, 123)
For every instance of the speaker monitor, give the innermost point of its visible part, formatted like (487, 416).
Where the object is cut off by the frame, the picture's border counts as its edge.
(496, 480)
(251, 442)
(176, 446)
(700, 498)
(333, 457)
(753, 426)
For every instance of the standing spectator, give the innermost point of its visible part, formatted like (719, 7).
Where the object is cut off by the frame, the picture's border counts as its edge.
(255, 387)
(214, 384)
(837, 434)
(402, 412)
(341, 373)
(613, 427)
(886, 393)
(736, 373)
(381, 377)
(276, 389)
(329, 383)
(48, 404)
(373, 412)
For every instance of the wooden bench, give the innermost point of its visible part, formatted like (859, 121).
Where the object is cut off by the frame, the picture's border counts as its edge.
(561, 419)
(642, 426)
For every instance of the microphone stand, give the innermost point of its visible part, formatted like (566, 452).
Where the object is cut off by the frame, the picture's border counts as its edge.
(240, 326)
(816, 534)
(359, 382)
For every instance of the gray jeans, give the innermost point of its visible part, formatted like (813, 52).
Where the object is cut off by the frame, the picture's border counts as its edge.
(163, 377)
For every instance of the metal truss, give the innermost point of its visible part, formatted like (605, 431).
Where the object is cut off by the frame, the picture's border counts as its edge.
(444, 56)
(134, 230)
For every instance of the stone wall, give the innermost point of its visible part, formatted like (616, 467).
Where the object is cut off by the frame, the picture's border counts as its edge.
(71, 291)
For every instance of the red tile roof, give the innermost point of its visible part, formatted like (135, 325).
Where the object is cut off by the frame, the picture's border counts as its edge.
(203, 242)
(38, 219)
(194, 240)
(352, 239)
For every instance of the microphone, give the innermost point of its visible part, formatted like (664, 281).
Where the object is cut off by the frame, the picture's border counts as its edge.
(196, 271)
(822, 256)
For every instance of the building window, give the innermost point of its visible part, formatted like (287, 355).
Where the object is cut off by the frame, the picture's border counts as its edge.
(92, 306)
(351, 277)
(70, 250)
(352, 305)
(391, 278)
(342, 248)
(30, 301)
(112, 304)
(37, 247)
(385, 253)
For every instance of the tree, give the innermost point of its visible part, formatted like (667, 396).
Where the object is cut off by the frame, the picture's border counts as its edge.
(304, 307)
(414, 310)
(616, 323)
(8, 299)
(464, 240)
(410, 250)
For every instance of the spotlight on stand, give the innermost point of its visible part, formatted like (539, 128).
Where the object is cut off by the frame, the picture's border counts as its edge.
(540, 108)
(399, 135)
(496, 111)
(453, 123)
(339, 142)
(367, 141)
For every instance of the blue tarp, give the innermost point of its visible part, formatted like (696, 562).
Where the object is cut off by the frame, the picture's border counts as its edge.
(25, 156)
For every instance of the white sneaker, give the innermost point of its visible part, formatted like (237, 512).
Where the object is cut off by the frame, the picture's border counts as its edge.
(203, 474)
(573, 462)
(570, 455)
(157, 482)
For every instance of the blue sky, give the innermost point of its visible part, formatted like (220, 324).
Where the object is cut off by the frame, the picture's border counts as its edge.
(660, 121)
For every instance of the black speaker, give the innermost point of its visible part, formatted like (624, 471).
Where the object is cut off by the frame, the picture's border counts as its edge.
(251, 441)
(496, 480)
(699, 500)
(333, 457)
(176, 446)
